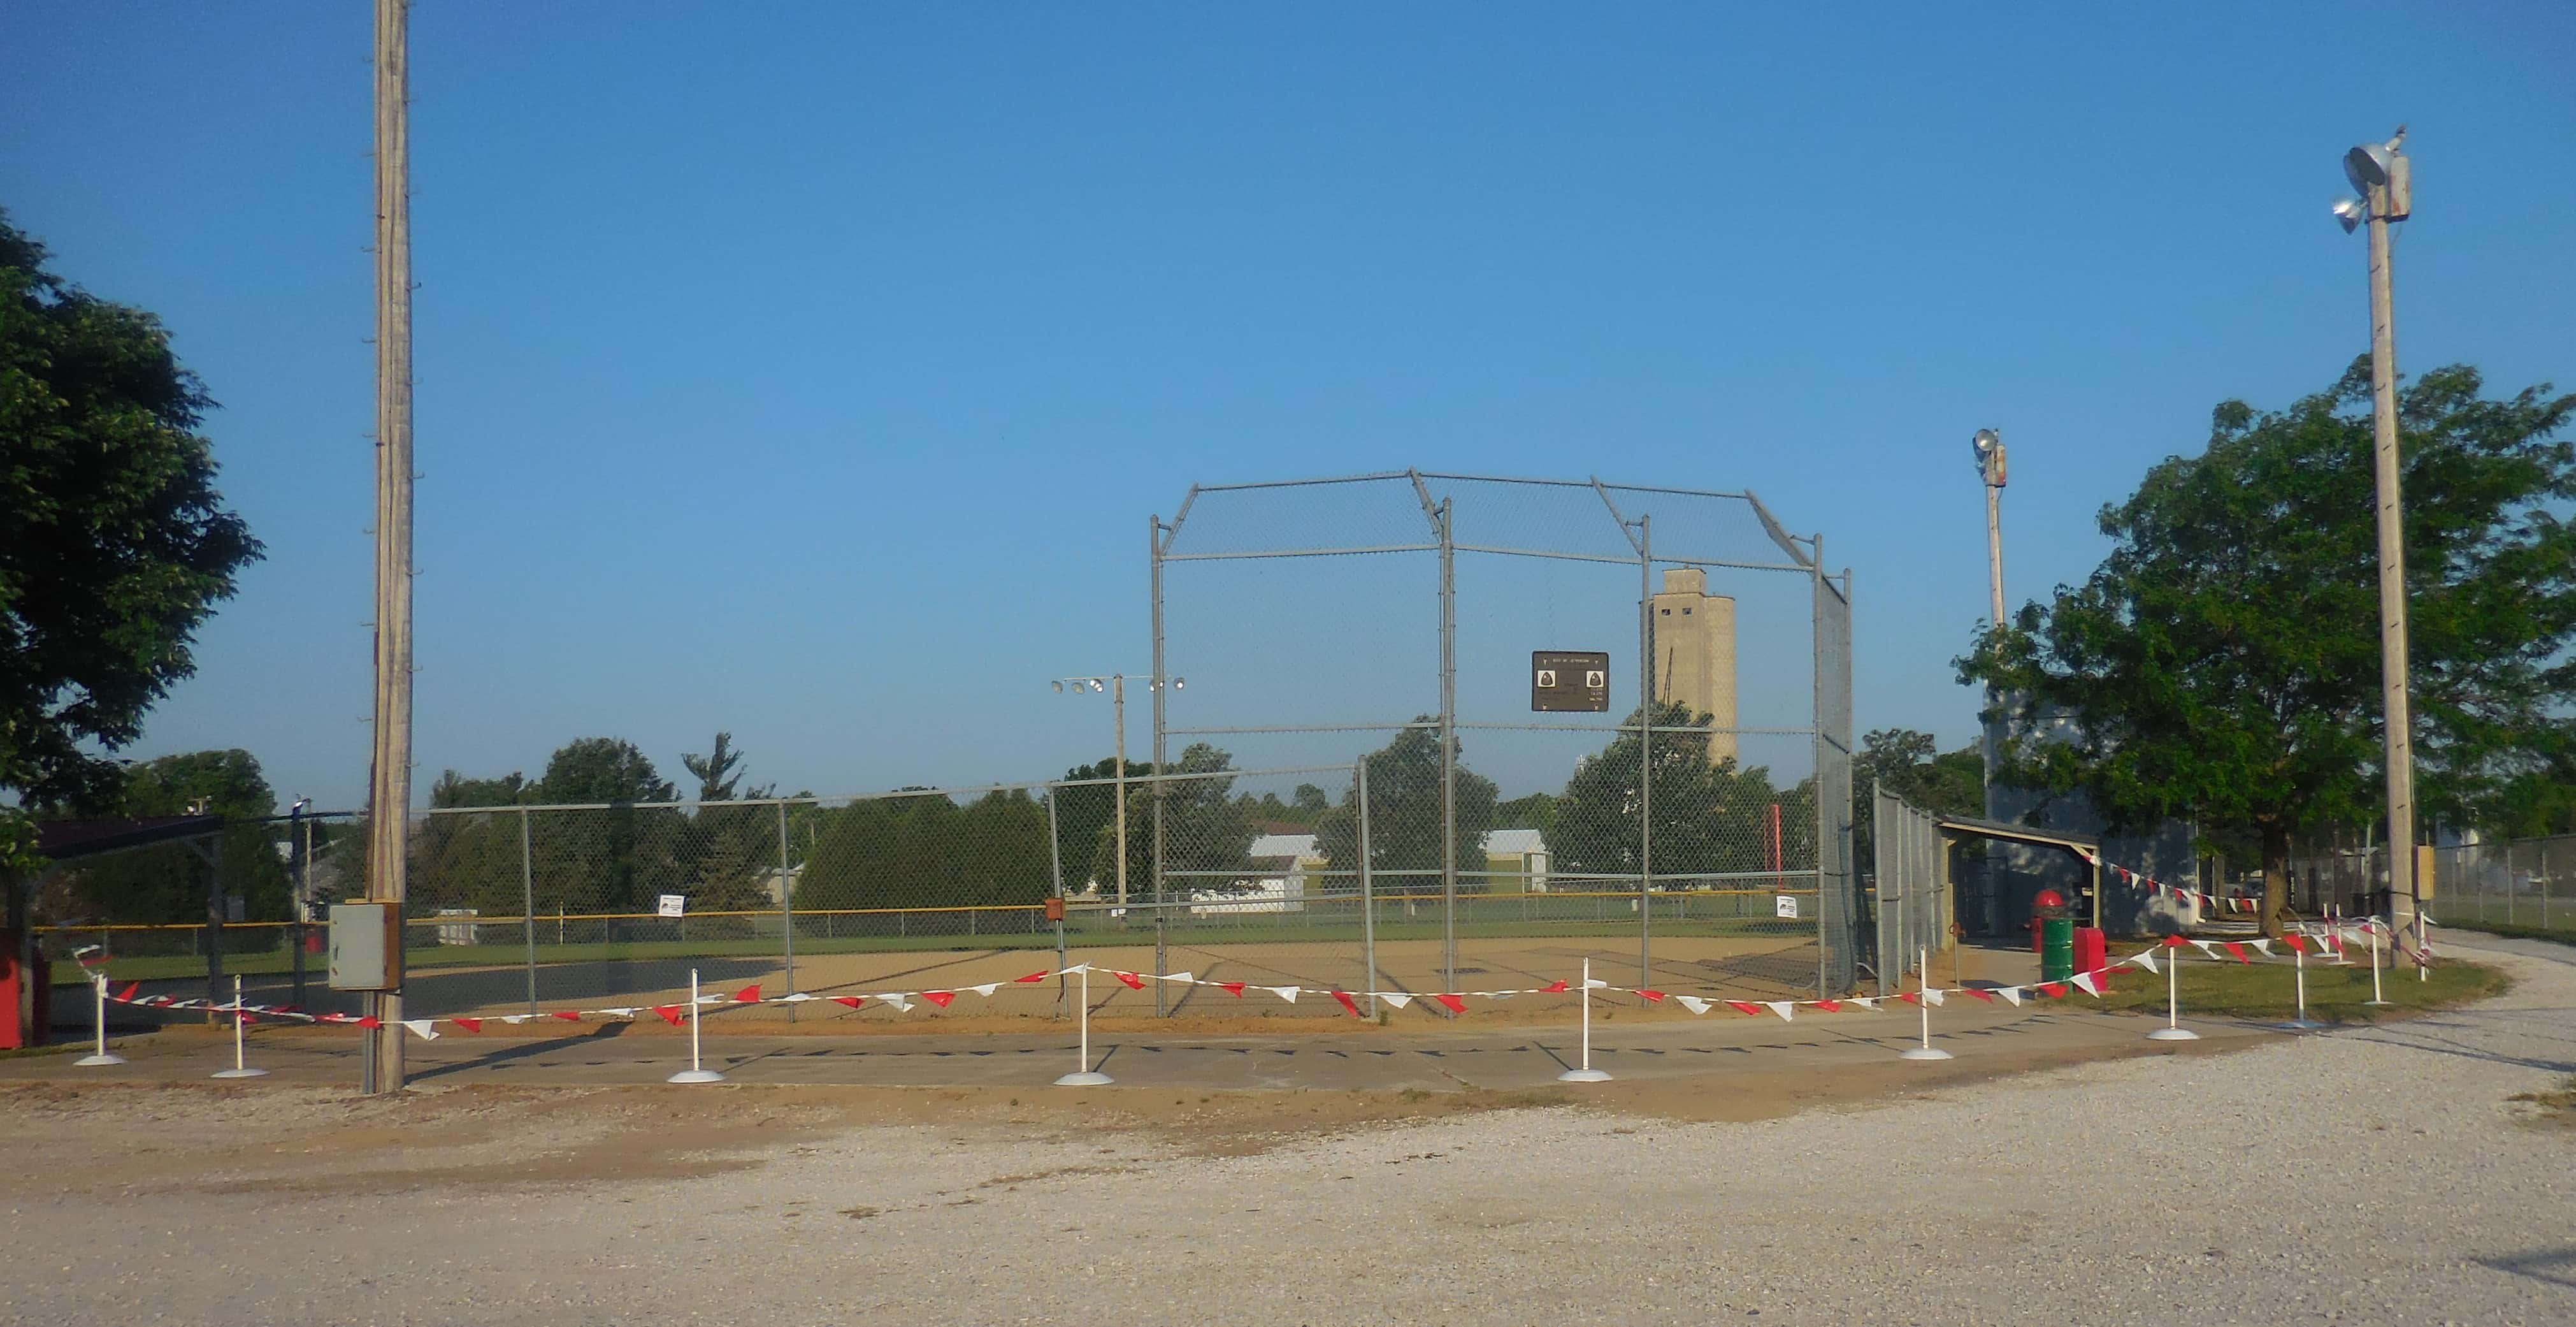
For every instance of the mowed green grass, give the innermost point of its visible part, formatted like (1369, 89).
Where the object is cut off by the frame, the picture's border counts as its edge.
(2335, 994)
(271, 962)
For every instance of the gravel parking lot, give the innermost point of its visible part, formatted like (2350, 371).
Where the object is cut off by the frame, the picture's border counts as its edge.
(2366, 1176)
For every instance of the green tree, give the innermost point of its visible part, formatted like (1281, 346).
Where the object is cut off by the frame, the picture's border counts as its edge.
(465, 860)
(717, 771)
(114, 545)
(1404, 816)
(928, 852)
(456, 790)
(167, 883)
(1536, 811)
(1085, 811)
(602, 769)
(2223, 661)
(1206, 833)
(1911, 765)
(1709, 818)
(729, 854)
(617, 858)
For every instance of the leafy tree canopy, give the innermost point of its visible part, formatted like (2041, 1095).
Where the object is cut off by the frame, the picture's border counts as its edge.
(603, 769)
(1709, 818)
(719, 771)
(2223, 661)
(114, 545)
(1205, 829)
(1911, 765)
(167, 882)
(1404, 815)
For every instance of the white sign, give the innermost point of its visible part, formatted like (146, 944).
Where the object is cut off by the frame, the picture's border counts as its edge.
(673, 904)
(1785, 905)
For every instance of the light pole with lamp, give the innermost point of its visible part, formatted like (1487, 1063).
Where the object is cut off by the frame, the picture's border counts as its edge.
(2380, 171)
(1116, 685)
(1989, 447)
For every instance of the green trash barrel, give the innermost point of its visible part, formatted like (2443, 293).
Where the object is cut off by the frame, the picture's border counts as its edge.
(2056, 936)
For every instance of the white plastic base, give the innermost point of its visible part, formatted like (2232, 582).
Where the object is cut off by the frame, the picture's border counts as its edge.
(1087, 1078)
(695, 1076)
(1584, 1076)
(2173, 1034)
(92, 1061)
(1923, 1053)
(243, 1073)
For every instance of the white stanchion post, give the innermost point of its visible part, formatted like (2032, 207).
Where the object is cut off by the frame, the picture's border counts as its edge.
(239, 1069)
(2173, 1030)
(2377, 999)
(98, 1025)
(2299, 962)
(1083, 1074)
(695, 1073)
(1585, 1074)
(1923, 1001)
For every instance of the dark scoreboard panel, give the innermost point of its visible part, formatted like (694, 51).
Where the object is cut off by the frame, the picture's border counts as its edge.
(1576, 681)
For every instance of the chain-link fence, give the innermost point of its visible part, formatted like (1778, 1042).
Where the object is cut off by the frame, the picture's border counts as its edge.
(1913, 898)
(534, 909)
(2518, 882)
(1409, 608)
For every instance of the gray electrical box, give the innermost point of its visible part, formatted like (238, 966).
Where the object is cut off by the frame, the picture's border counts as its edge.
(366, 947)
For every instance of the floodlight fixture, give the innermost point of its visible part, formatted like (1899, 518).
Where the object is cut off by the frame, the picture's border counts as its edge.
(1097, 685)
(1059, 687)
(2367, 166)
(2351, 212)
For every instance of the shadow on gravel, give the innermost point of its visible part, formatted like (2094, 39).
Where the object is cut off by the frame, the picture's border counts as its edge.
(2423, 1035)
(520, 1052)
(2555, 1267)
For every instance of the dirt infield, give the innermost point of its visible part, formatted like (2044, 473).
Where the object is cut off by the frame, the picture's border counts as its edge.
(1744, 967)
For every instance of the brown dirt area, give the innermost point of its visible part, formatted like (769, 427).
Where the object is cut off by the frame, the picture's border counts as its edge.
(126, 1138)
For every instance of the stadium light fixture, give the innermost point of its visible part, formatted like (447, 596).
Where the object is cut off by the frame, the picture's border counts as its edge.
(2351, 212)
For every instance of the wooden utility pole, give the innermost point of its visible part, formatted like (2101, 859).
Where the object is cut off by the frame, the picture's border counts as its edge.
(389, 790)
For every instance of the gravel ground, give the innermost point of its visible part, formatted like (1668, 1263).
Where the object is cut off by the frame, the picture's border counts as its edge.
(2373, 1176)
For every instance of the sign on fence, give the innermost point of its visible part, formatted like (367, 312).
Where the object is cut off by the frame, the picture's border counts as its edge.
(1785, 905)
(673, 905)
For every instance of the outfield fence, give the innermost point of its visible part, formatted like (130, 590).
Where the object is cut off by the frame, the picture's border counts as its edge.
(518, 909)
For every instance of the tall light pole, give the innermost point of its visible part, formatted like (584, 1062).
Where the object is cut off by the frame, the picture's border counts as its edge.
(2381, 173)
(1116, 685)
(1989, 446)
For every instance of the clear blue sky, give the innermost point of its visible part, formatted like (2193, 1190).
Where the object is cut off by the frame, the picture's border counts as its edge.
(809, 371)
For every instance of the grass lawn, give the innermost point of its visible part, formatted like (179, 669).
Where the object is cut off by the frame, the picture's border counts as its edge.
(2335, 994)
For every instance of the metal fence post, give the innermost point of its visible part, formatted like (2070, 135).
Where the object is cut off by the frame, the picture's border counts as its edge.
(1055, 880)
(1368, 890)
(786, 909)
(1645, 749)
(1156, 538)
(1448, 750)
(528, 905)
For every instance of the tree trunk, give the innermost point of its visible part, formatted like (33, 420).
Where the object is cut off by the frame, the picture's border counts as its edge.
(2276, 878)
